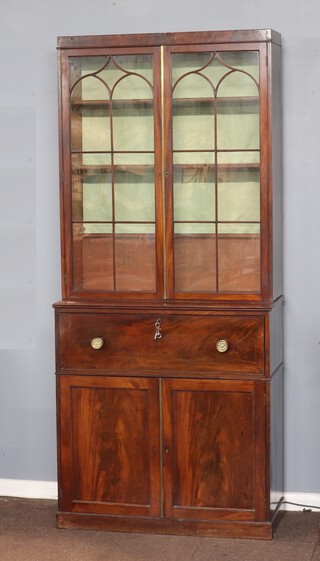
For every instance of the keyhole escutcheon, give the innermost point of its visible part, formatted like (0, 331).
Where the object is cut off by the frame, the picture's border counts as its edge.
(157, 334)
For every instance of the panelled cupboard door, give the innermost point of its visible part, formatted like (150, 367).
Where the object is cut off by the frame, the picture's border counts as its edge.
(214, 460)
(109, 445)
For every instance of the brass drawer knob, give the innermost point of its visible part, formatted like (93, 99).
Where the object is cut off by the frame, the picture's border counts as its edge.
(97, 343)
(222, 346)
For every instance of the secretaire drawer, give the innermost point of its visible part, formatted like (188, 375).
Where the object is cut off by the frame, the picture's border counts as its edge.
(160, 343)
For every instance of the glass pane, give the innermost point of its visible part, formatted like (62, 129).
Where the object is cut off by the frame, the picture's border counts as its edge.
(109, 71)
(134, 196)
(92, 257)
(195, 258)
(193, 87)
(133, 126)
(87, 86)
(194, 228)
(238, 190)
(239, 228)
(90, 114)
(194, 189)
(239, 257)
(238, 112)
(135, 257)
(193, 125)
(91, 191)
(238, 200)
(98, 228)
(90, 129)
(138, 87)
(134, 228)
(183, 63)
(132, 107)
(251, 158)
(140, 161)
(97, 200)
(82, 66)
(203, 159)
(245, 61)
(96, 130)
(140, 63)
(213, 67)
(192, 104)
(134, 187)
(77, 196)
(232, 77)
(237, 84)
(238, 124)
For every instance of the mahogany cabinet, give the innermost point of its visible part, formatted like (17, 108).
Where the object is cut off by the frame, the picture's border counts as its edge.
(169, 356)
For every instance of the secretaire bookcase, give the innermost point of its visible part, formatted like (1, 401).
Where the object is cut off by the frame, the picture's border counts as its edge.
(169, 332)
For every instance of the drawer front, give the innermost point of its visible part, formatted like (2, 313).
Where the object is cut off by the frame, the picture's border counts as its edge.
(178, 343)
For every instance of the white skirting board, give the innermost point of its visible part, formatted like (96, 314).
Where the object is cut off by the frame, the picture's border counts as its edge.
(28, 489)
(49, 490)
(299, 501)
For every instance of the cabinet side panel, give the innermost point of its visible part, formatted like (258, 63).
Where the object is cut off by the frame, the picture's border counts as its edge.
(61, 125)
(276, 438)
(276, 336)
(276, 163)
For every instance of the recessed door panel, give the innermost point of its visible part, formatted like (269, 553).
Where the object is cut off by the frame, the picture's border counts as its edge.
(211, 434)
(110, 452)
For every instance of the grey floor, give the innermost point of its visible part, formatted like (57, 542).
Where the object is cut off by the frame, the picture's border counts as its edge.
(28, 533)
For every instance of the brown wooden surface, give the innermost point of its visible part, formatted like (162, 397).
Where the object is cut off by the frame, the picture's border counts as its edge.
(110, 445)
(275, 397)
(275, 341)
(213, 529)
(235, 36)
(169, 435)
(213, 434)
(211, 444)
(275, 156)
(188, 343)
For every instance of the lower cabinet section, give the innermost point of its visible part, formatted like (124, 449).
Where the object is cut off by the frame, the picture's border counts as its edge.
(163, 455)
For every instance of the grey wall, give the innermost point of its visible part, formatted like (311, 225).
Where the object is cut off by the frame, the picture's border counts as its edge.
(29, 221)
